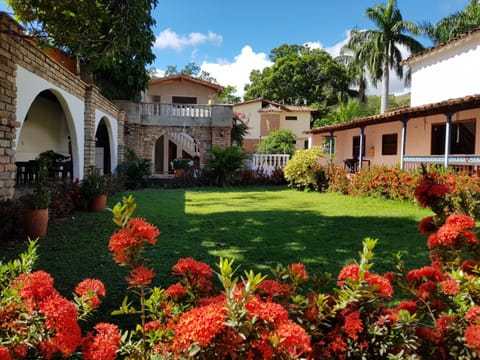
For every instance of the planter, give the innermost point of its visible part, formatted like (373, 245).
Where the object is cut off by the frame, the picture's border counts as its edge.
(98, 203)
(35, 223)
(179, 172)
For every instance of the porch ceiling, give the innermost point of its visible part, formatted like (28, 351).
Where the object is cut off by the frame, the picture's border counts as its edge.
(399, 114)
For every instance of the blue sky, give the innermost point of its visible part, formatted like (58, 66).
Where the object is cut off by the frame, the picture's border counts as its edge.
(229, 38)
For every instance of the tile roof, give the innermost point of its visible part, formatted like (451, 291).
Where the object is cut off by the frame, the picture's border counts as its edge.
(398, 114)
(441, 46)
(269, 106)
(183, 77)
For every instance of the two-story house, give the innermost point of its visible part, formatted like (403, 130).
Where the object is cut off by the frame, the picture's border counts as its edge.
(178, 118)
(441, 126)
(265, 116)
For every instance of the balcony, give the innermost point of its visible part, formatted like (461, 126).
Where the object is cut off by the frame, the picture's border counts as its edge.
(178, 114)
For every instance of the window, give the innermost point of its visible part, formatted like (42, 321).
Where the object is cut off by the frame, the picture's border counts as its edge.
(462, 138)
(156, 98)
(356, 146)
(183, 100)
(389, 144)
(290, 118)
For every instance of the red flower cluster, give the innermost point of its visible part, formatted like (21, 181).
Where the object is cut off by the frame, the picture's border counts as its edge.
(456, 230)
(128, 241)
(298, 271)
(191, 266)
(60, 316)
(140, 277)
(377, 283)
(429, 191)
(90, 290)
(175, 291)
(104, 344)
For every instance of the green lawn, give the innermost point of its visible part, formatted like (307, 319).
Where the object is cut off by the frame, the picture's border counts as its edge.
(260, 227)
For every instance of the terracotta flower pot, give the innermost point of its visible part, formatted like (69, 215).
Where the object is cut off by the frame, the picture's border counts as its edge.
(179, 172)
(98, 203)
(35, 223)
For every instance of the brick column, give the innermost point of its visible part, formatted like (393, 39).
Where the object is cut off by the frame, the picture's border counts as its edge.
(8, 107)
(89, 128)
(121, 135)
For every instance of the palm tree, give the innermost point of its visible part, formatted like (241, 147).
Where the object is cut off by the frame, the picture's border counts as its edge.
(455, 24)
(356, 70)
(379, 49)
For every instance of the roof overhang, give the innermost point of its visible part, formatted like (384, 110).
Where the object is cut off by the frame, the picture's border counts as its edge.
(404, 113)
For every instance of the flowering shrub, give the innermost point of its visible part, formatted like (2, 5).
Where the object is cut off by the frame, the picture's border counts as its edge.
(303, 171)
(428, 313)
(66, 199)
(35, 320)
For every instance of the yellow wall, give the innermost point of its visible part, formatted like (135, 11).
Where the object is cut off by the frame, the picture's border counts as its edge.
(167, 90)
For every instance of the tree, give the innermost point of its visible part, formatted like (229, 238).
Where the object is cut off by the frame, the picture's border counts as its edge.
(223, 164)
(113, 39)
(341, 113)
(380, 48)
(299, 75)
(281, 141)
(228, 95)
(455, 24)
(239, 128)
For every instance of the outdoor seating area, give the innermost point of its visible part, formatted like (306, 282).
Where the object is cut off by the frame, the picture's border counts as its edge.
(58, 170)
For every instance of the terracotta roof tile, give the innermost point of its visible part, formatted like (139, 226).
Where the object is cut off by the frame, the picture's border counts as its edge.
(398, 114)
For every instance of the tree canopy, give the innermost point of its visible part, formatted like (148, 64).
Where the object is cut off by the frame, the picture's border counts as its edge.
(379, 49)
(112, 38)
(281, 141)
(455, 24)
(299, 75)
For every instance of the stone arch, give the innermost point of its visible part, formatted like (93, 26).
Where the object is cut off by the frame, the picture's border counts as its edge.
(103, 154)
(47, 125)
(170, 145)
(29, 86)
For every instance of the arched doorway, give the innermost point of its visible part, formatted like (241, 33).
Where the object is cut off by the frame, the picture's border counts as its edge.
(172, 146)
(102, 149)
(44, 129)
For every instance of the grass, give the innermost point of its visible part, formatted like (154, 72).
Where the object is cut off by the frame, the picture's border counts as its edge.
(260, 227)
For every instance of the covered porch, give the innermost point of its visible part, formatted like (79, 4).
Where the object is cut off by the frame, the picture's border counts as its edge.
(445, 133)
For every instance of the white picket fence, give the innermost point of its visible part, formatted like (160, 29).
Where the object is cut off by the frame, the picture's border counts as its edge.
(268, 162)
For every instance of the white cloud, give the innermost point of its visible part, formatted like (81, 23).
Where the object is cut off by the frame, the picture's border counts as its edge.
(170, 39)
(237, 73)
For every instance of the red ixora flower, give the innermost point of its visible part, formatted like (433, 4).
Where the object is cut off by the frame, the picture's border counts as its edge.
(90, 290)
(472, 336)
(191, 266)
(175, 291)
(273, 288)
(140, 276)
(295, 340)
(267, 311)
(353, 325)
(298, 271)
(199, 325)
(5, 354)
(104, 344)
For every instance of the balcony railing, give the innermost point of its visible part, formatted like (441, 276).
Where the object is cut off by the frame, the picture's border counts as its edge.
(175, 110)
(469, 164)
(268, 162)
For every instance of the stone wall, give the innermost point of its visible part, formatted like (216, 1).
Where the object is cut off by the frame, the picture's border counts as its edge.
(141, 139)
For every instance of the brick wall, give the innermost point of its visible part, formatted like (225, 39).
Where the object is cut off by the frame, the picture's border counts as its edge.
(17, 50)
(141, 139)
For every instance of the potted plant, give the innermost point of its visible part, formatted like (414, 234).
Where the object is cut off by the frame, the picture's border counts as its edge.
(35, 204)
(179, 165)
(93, 189)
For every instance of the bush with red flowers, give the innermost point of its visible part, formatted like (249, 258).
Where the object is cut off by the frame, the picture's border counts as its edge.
(428, 313)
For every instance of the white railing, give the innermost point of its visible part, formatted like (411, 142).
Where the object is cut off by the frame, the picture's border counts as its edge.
(469, 164)
(175, 110)
(186, 142)
(268, 162)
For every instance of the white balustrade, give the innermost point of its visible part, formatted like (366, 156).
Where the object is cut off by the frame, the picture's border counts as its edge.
(268, 162)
